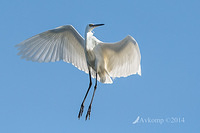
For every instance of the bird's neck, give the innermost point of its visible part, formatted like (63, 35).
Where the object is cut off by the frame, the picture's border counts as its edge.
(89, 45)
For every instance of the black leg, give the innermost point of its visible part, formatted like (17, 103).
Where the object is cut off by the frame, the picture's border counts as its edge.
(89, 109)
(82, 105)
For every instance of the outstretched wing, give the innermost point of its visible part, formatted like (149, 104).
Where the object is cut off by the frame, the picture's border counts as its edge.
(62, 43)
(122, 58)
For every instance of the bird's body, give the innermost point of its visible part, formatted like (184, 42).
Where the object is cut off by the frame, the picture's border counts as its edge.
(94, 58)
(101, 60)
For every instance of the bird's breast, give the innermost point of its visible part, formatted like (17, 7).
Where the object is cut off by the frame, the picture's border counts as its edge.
(90, 55)
(90, 44)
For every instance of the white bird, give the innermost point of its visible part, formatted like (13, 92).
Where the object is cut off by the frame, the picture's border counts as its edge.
(101, 60)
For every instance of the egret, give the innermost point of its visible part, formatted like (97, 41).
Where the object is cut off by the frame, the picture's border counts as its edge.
(102, 61)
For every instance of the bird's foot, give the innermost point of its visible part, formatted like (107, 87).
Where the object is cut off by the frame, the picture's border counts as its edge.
(88, 113)
(81, 111)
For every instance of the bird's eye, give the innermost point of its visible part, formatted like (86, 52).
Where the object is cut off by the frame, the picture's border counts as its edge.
(91, 25)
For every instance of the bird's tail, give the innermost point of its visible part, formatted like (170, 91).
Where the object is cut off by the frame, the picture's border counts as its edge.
(106, 79)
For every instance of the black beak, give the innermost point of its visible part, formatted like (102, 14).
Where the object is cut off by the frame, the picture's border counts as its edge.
(96, 25)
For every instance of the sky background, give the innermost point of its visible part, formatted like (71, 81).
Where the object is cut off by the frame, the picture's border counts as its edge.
(46, 97)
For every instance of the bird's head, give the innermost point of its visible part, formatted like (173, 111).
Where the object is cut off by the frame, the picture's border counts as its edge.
(90, 27)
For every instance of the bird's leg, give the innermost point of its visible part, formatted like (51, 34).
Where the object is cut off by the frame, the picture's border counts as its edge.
(89, 108)
(82, 105)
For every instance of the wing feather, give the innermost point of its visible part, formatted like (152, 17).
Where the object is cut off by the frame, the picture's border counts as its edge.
(122, 58)
(62, 43)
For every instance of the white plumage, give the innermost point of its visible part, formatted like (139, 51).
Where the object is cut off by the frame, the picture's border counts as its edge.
(119, 59)
(101, 60)
(63, 43)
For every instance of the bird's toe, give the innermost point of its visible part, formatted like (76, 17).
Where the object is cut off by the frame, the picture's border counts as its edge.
(81, 111)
